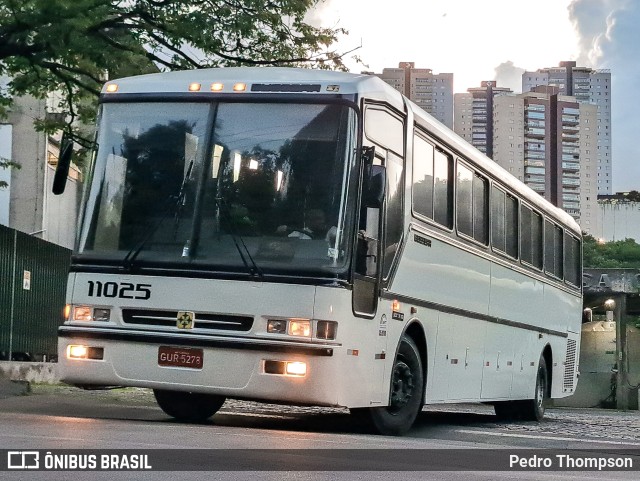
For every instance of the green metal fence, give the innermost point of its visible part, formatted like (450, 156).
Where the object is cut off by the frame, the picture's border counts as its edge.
(33, 280)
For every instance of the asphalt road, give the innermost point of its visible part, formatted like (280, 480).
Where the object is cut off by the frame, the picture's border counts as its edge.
(53, 418)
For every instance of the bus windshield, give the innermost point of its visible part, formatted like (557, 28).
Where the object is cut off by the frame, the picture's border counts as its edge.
(222, 187)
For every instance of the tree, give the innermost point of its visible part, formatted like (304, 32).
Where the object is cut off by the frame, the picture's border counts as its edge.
(74, 46)
(613, 254)
(633, 196)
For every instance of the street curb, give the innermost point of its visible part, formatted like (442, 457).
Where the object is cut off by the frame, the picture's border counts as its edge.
(33, 372)
(14, 388)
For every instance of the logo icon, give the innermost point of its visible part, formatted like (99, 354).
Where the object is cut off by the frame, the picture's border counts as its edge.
(23, 460)
(185, 320)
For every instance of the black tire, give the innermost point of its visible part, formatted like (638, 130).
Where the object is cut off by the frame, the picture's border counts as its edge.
(533, 409)
(407, 383)
(192, 407)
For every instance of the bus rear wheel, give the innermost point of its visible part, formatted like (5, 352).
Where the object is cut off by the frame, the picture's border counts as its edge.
(533, 409)
(190, 407)
(405, 402)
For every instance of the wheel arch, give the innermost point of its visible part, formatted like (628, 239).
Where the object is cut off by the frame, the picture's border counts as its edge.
(415, 330)
(547, 354)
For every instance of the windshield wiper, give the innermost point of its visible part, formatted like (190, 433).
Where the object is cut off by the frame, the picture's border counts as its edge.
(135, 251)
(238, 241)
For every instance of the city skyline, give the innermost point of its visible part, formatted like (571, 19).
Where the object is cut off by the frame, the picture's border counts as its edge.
(445, 36)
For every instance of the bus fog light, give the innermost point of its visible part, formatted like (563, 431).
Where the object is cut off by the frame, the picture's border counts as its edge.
(275, 326)
(300, 327)
(85, 352)
(296, 368)
(326, 330)
(82, 313)
(77, 352)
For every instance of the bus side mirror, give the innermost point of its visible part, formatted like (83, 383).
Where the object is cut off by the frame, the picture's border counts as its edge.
(64, 162)
(375, 182)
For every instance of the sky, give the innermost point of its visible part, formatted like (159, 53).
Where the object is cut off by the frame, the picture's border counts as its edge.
(498, 40)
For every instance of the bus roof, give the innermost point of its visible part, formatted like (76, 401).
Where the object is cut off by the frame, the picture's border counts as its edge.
(307, 81)
(257, 80)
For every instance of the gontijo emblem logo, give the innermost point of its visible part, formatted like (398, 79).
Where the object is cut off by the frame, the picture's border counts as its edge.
(185, 320)
(23, 460)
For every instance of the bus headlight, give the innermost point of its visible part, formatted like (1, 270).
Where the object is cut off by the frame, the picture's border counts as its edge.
(82, 313)
(276, 326)
(326, 330)
(300, 327)
(88, 313)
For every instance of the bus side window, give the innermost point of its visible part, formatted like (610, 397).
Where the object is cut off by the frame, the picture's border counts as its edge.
(553, 249)
(572, 267)
(531, 237)
(422, 177)
(504, 222)
(472, 205)
(498, 232)
(443, 189)
(511, 226)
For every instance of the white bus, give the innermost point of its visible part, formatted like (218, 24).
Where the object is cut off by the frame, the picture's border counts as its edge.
(312, 237)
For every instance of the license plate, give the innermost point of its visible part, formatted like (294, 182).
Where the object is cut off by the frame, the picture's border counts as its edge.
(180, 357)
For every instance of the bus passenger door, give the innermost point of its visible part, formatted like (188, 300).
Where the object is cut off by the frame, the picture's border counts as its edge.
(367, 256)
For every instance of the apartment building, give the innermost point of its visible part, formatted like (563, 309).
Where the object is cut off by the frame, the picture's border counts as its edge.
(473, 114)
(587, 86)
(431, 92)
(548, 141)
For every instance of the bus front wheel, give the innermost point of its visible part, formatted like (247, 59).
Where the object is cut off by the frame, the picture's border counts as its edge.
(407, 384)
(188, 406)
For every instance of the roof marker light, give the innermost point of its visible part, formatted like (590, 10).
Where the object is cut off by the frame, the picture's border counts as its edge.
(240, 87)
(194, 87)
(217, 87)
(111, 88)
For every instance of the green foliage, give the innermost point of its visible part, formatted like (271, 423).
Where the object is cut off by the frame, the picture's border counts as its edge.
(5, 164)
(614, 254)
(74, 46)
(633, 196)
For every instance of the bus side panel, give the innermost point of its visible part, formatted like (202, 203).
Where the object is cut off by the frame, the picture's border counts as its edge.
(513, 294)
(360, 382)
(432, 271)
(435, 271)
(512, 354)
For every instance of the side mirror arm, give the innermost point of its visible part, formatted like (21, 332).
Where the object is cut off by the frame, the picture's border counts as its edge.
(64, 162)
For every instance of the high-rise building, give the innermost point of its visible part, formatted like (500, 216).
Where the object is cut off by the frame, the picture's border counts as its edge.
(586, 85)
(431, 92)
(473, 114)
(548, 141)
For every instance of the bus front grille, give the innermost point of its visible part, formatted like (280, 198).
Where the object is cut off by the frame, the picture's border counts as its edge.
(202, 320)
